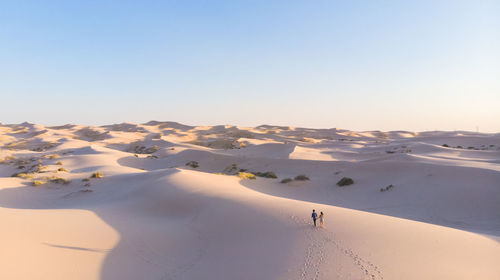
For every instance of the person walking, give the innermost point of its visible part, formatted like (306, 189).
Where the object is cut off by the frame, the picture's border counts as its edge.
(321, 219)
(314, 216)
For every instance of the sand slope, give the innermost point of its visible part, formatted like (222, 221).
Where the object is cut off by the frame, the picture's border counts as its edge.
(153, 217)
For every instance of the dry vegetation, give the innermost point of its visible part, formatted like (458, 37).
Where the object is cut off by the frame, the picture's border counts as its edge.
(345, 181)
(97, 175)
(39, 182)
(386, 188)
(246, 175)
(266, 174)
(301, 178)
(193, 164)
(286, 180)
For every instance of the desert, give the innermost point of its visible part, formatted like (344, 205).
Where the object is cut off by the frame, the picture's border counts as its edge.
(162, 200)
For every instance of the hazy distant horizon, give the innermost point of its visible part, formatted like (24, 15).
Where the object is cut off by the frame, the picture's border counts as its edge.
(238, 125)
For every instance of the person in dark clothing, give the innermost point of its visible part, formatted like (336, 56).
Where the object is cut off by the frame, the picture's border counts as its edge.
(314, 216)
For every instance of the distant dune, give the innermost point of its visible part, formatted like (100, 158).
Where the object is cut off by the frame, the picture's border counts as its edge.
(163, 200)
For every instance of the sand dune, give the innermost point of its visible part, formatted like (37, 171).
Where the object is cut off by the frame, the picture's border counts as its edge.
(151, 216)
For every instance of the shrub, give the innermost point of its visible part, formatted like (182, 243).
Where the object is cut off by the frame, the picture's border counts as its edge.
(386, 188)
(58, 163)
(267, 174)
(23, 175)
(193, 164)
(445, 145)
(97, 175)
(246, 175)
(286, 180)
(345, 181)
(62, 169)
(59, 180)
(38, 182)
(301, 178)
(54, 156)
(85, 179)
(460, 147)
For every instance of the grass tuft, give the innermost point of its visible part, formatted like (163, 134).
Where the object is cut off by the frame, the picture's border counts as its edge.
(38, 182)
(246, 175)
(97, 175)
(286, 180)
(345, 181)
(301, 178)
(267, 174)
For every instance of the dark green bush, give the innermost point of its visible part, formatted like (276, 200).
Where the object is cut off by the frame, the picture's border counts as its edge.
(345, 181)
(301, 178)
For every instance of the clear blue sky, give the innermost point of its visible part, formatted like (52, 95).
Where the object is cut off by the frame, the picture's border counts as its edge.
(361, 65)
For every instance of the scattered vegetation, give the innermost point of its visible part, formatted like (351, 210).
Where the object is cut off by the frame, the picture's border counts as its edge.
(97, 175)
(286, 180)
(193, 164)
(267, 174)
(386, 188)
(246, 175)
(301, 178)
(24, 175)
(62, 169)
(38, 182)
(345, 181)
(59, 180)
(145, 150)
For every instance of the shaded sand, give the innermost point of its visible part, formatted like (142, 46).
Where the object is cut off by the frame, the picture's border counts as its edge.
(153, 217)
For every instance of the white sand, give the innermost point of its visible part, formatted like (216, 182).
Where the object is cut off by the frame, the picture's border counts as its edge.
(153, 217)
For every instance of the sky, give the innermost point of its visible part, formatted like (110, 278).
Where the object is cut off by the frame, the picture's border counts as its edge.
(359, 65)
